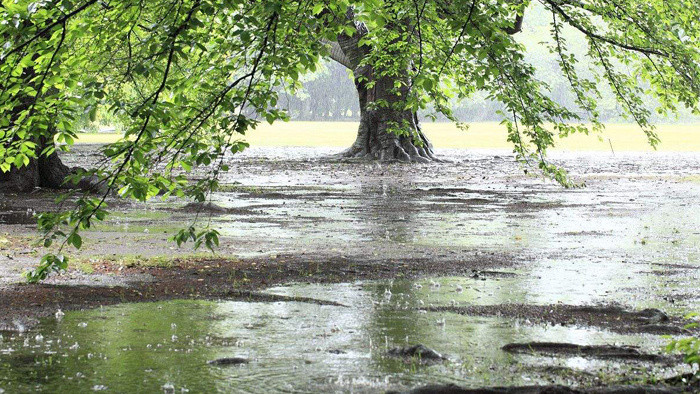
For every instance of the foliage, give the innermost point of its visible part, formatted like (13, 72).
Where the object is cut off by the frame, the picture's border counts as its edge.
(689, 347)
(187, 78)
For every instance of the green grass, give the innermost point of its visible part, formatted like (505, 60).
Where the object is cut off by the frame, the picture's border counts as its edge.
(488, 135)
(691, 178)
(86, 264)
(230, 188)
(140, 215)
(84, 267)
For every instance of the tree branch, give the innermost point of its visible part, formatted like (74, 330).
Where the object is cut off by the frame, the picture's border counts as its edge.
(60, 21)
(517, 26)
(556, 7)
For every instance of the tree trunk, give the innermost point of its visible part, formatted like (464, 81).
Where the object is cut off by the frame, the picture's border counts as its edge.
(385, 133)
(45, 172)
(376, 136)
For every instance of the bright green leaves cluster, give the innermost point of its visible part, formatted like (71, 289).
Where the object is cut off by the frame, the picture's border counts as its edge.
(188, 78)
(33, 81)
(208, 237)
(689, 347)
(49, 263)
(65, 227)
(642, 49)
(645, 51)
(185, 78)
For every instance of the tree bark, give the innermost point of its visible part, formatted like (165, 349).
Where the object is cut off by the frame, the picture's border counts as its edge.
(375, 138)
(45, 172)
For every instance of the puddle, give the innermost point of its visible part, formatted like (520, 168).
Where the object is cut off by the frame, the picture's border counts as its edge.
(299, 347)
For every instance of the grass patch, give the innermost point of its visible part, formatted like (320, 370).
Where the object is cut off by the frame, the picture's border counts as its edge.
(140, 261)
(484, 135)
(135, 228)
(84, 267)
(238, 188)
(140, 215)
(691, 178)
(97, 138)
(149, 222)
(16, 242)
(129, 261)
(88, 265)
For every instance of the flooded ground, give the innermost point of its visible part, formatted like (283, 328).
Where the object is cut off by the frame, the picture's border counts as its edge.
(302, 347)
(463, 257)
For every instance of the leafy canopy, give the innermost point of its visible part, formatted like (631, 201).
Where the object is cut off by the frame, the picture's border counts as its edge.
(188, 78)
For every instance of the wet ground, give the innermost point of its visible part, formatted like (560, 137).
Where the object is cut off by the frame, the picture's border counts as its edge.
(325, 266)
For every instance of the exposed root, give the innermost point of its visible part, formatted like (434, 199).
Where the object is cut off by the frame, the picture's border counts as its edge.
(393, 150)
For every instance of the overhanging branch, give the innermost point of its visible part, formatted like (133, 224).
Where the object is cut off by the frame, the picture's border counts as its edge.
(571, 21)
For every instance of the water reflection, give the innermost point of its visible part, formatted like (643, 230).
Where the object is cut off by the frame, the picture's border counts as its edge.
(293, 347)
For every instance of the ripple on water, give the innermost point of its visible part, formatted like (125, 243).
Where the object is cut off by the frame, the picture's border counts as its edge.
(297, 347)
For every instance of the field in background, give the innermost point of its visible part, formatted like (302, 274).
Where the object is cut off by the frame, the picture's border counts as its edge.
(490, 135)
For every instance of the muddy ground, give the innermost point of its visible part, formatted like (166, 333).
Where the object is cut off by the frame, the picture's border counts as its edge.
(626, 242)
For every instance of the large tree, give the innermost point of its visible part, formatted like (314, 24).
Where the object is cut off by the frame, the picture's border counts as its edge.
(187, 78)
